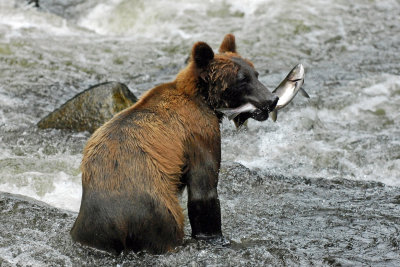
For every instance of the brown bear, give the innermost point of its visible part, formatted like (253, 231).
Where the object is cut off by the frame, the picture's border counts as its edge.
(136, 164)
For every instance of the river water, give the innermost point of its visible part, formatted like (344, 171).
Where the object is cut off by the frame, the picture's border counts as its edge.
(348, 129)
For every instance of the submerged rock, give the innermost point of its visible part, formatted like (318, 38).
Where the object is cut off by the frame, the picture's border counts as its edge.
(91, 108)
(269, 220)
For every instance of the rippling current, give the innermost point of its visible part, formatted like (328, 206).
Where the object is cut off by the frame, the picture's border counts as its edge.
(349, 128)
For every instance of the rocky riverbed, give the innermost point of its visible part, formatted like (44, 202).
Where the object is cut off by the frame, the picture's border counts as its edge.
(268, 220)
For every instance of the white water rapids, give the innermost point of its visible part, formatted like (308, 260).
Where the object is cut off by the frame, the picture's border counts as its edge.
(351, 52)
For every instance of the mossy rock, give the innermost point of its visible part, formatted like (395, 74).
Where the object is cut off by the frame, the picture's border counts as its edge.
(91, 108)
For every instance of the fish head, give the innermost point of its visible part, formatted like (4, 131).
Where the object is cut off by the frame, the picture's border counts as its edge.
(296, 74)
(289, 87)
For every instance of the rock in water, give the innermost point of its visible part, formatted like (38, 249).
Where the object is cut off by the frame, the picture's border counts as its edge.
(91, 108)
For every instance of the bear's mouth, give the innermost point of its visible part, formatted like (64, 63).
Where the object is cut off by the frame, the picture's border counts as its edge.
(258, 115)
(263, 109)
(248, 110)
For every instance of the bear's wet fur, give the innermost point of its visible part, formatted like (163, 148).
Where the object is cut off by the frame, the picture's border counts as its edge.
(136, 164)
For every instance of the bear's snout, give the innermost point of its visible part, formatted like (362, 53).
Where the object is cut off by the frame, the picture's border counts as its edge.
(272, 104)
(264, 108)
(269, 104)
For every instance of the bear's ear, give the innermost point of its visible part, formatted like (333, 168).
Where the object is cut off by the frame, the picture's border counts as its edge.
(228, 44)
(202, 54)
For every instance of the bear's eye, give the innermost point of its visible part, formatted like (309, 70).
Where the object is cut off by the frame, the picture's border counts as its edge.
(242, 78)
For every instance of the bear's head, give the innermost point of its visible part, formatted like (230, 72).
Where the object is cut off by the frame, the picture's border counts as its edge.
(226, 80)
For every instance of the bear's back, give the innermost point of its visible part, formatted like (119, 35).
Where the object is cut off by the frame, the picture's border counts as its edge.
(146, 134)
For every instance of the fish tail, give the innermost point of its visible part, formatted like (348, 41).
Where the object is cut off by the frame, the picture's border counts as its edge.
(274, 115)
(233, 115)
(304, 93)
(229, 113)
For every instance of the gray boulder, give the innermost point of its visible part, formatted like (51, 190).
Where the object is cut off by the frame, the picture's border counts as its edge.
(91, 108)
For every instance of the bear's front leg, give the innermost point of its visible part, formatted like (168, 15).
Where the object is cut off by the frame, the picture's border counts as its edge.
(205, 216)
(203, 203)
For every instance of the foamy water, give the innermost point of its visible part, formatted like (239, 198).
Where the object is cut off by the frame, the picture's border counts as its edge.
(352, 140)
(347, 129)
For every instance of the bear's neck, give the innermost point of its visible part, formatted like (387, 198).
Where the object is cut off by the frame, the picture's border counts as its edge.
(204, 92)
(189, 83)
